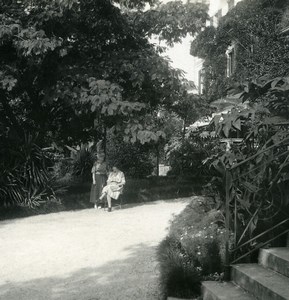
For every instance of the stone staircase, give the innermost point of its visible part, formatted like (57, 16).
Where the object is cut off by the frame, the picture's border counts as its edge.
(267, 280)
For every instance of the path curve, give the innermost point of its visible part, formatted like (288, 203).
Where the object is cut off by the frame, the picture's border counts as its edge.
(85, 255)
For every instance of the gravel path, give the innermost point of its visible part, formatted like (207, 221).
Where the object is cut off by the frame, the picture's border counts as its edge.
(85, 255)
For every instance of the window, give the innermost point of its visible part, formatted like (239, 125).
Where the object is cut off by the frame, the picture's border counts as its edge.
(231, 60)
(230, 63)
(201, 81)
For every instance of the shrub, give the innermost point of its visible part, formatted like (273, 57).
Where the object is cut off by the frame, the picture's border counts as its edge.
(193, 250)
(62, 168)
(25, 179)
(186, 157)
(133, 159)
(83, 159)
(179, 277)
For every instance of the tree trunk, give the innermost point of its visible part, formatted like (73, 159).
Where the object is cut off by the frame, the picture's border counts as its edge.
(184, 130)
(104, 141)
(158, 161)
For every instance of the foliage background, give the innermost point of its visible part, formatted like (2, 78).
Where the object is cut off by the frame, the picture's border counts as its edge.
(260, 48)
(71, 70)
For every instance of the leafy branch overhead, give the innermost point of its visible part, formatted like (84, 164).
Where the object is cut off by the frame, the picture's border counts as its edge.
(171, 21)
(72, 70)
(107, 98)
(91, 58)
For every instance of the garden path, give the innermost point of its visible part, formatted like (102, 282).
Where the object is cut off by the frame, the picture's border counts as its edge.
(85, 255)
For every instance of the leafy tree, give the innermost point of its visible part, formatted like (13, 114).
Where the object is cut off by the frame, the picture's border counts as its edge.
(134, 159)
(186, 156)
(257, 179)
(182, 149)
(171, 21)
(56, 58)
(71, 69)
(190, 108)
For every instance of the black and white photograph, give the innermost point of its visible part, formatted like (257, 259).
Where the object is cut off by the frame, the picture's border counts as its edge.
(144, 149)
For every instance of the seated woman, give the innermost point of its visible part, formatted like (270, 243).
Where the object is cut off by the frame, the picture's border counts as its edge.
(114, 187)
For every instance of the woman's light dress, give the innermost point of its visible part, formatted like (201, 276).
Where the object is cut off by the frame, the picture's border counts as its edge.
(115, 183)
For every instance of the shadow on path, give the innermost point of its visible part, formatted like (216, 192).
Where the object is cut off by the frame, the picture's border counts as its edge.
(135, 277)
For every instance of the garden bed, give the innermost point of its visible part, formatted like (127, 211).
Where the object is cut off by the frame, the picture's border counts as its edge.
(193, 250)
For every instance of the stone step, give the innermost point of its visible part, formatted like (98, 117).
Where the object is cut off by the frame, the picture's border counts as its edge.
(213, 290)
(264, 284)
(276, 259)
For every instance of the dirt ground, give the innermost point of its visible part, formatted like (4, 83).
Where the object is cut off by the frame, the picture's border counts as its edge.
(85, 255)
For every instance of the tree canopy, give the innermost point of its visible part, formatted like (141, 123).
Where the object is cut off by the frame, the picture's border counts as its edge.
(72, 68)
(79, 62)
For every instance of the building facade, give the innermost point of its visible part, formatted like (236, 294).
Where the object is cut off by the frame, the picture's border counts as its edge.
(217, 9)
